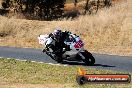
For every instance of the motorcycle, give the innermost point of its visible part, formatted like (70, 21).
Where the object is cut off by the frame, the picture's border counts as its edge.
(75, 49)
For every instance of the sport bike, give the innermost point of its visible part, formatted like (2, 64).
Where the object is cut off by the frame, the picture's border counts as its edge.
(74, 51)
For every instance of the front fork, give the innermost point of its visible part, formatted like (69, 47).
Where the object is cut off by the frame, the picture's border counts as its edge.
(81, 55)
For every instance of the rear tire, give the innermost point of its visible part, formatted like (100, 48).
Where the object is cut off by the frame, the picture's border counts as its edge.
(55, 56)
(58, 59)
(89, 59)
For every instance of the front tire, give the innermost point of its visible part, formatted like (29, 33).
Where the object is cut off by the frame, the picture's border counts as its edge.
(89, 59)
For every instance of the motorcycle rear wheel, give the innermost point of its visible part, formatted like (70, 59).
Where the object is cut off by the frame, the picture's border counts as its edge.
(58, 59)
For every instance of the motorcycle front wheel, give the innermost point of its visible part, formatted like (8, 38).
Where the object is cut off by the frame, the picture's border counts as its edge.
(89, 59)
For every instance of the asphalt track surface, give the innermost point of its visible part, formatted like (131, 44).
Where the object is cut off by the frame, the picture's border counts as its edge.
(103, 61)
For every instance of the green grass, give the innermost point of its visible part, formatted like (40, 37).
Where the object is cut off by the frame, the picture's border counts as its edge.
(26, 72)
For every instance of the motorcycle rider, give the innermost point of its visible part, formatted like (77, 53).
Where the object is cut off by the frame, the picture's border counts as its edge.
(59, 38)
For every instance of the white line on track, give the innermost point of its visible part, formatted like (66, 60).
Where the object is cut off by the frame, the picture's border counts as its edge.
(37, 62)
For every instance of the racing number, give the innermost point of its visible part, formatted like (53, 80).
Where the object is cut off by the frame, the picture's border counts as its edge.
(78, 44)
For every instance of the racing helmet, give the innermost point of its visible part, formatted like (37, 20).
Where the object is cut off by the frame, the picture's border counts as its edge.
(57, 32)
